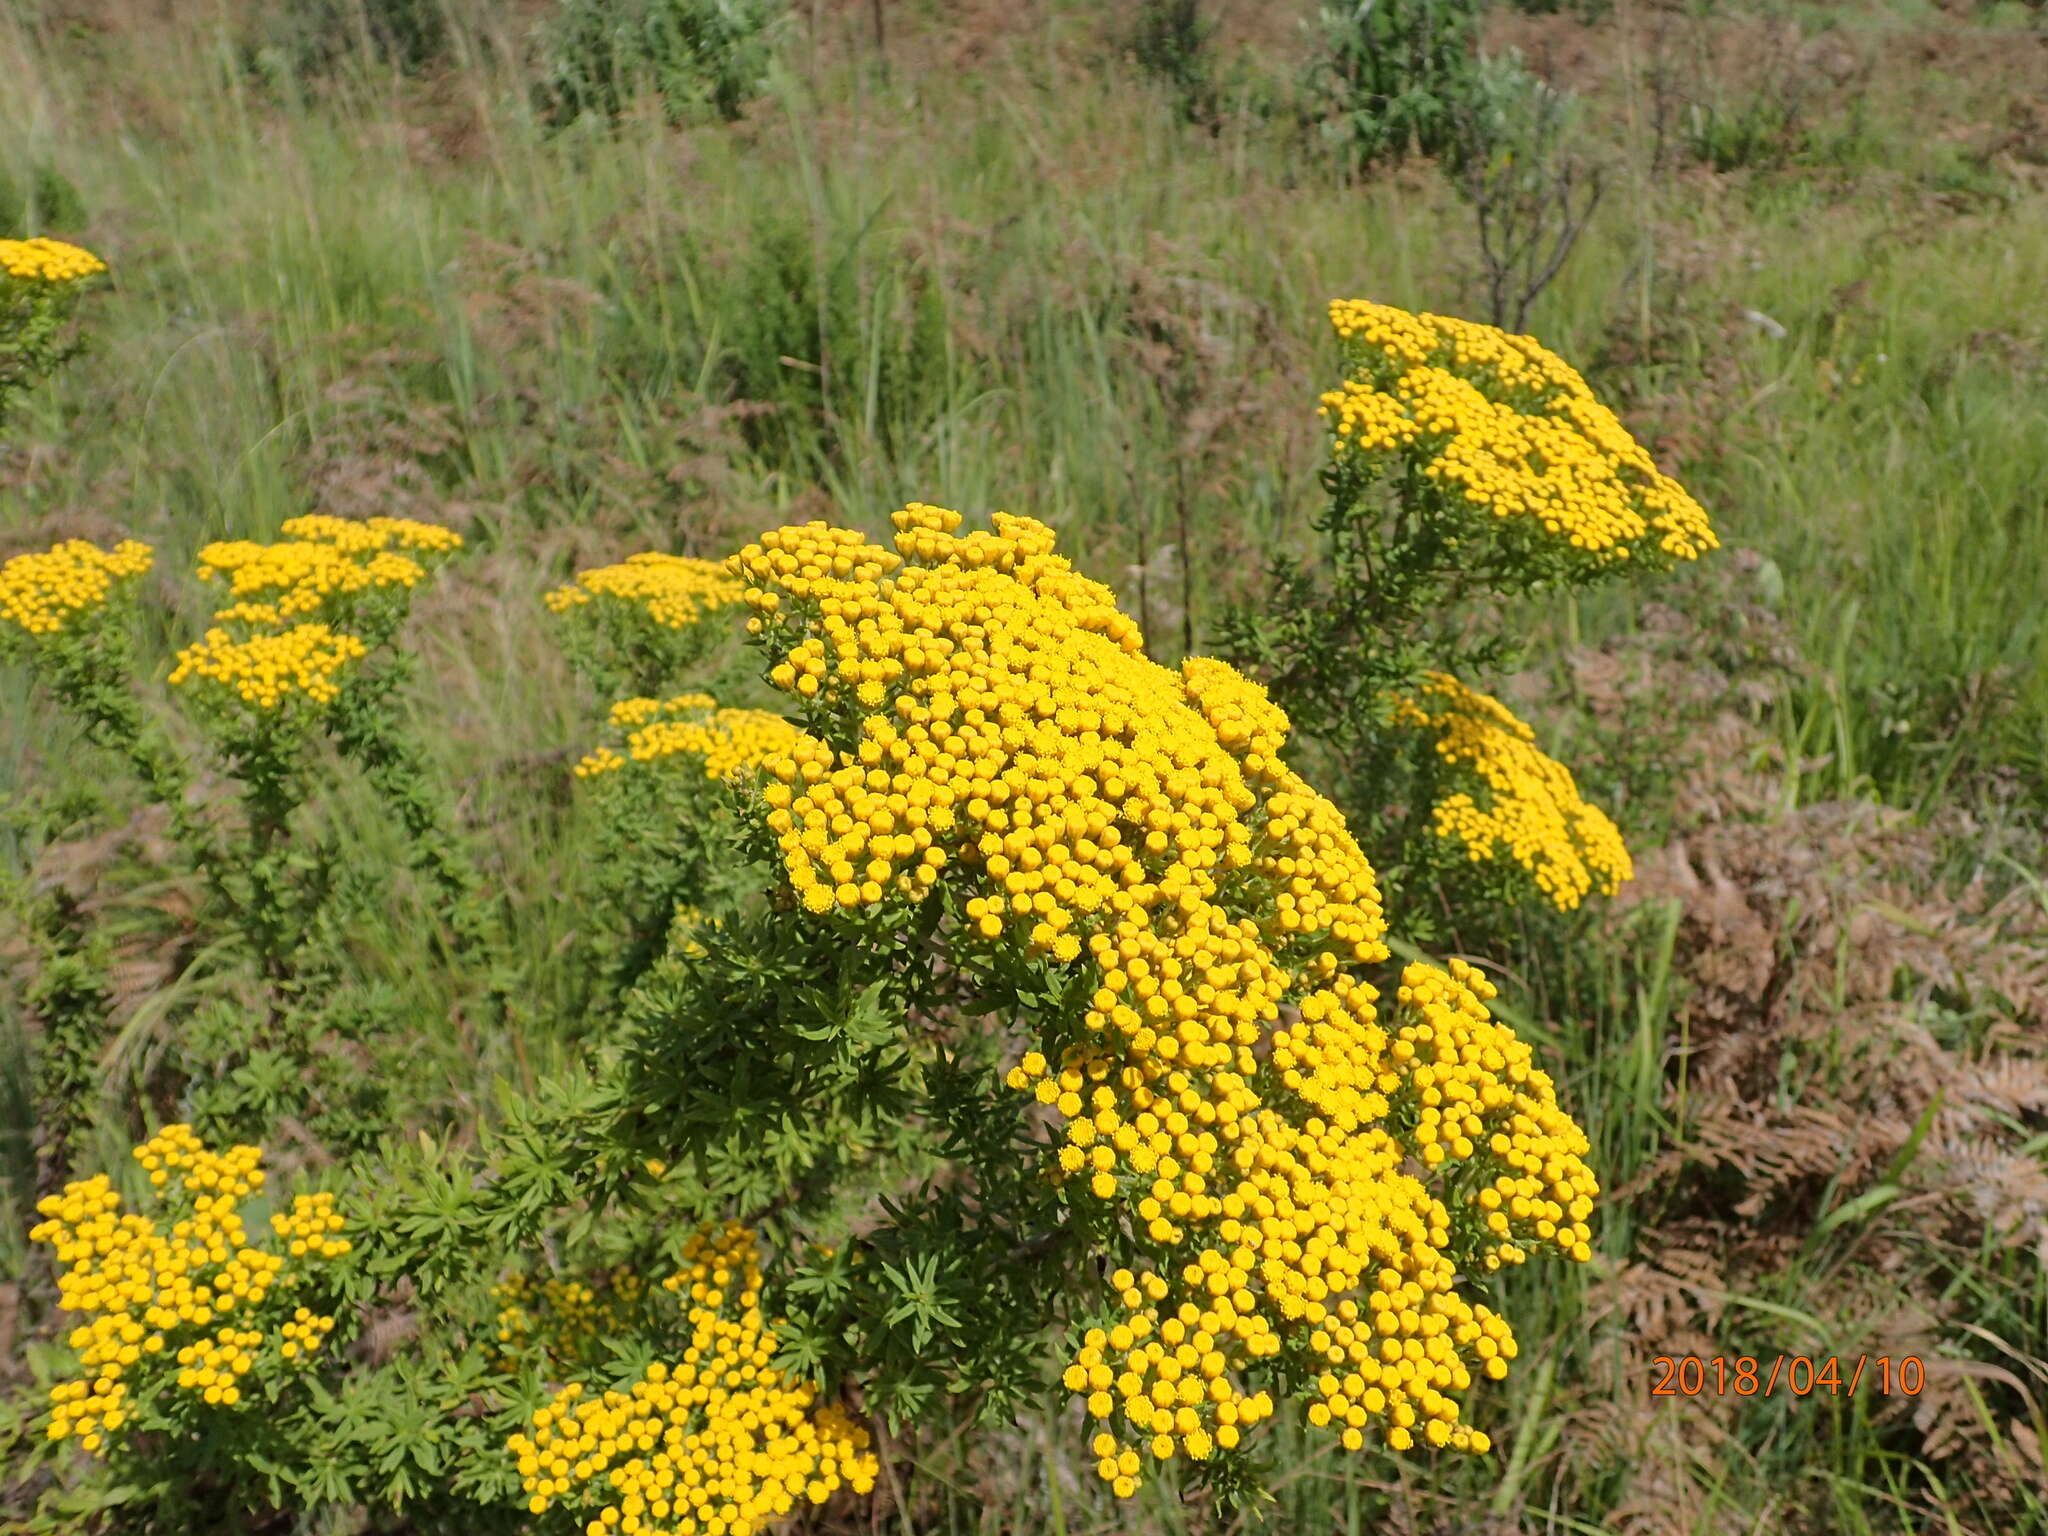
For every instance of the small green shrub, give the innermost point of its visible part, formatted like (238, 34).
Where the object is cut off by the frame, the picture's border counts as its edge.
(1391, 78)
(1171, 43)
(693, 56)
(307, 39)
(1585, 10)
(298, 661)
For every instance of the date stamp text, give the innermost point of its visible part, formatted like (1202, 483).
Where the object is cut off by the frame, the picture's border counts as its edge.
(1790, 1375)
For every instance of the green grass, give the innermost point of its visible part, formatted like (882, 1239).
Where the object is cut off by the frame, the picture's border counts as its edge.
(298, 282)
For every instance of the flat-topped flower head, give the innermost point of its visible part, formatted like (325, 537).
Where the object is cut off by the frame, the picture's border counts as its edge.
(1505, 430)
(298, 578)
(675, 591)
(691, 725)
(646, 621)
(322, 568)
(268, 672)
(985, 718)
(362, 536)
(719, 1441)
(182, 1303)
(44, 593)
(43, 260)
(1520, 808)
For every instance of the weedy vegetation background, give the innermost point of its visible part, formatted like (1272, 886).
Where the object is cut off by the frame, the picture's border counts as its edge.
(588, 279)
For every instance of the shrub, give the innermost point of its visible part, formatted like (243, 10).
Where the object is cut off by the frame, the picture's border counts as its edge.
(1389, 76)
(1466, 463)
(41, 282)
(1003, 1009)
(983, 766)
(694, 56)
(301, 653)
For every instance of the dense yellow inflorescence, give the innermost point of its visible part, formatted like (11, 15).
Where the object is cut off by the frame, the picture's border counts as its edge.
(320, 563)
(41, 593)
(1100, 810)
(363, 536)
(1476, 1085)
(43, 260)
(673, 590)
(1509, 426)
(1533, 816)
(188, 1290)
(720, 1444)
(728, 740)
(266, 671)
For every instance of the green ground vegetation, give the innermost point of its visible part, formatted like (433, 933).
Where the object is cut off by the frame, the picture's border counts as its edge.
(994, 257)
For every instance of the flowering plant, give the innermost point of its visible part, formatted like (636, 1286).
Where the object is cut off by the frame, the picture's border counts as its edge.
(41, 283)
(301, 654)
(1003, 1009)
(1467, 466)
(182, 1313)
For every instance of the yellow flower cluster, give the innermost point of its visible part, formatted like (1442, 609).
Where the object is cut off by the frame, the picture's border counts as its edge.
(320, 563)
(40, 593)
(720, 1444)
(1509, 426)
(1100, 810)
(566, 1319)
(268, 670)
(212, 1366)
(1533, 815)
(363, 536)
(1477, 1085)
(43, 260)
(309, 1228)
(673, 590)
(304, 1333)
(728, 740)
(139, 1283)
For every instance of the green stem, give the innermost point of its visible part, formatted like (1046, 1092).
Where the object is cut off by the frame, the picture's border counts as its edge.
(367, 728)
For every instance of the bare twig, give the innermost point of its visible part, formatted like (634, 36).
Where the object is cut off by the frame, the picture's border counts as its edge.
(1531, 203)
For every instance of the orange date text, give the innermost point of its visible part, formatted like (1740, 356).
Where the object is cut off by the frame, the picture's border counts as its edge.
(1786, 1375)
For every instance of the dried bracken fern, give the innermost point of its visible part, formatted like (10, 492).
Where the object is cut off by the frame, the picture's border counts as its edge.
(1862, 1023)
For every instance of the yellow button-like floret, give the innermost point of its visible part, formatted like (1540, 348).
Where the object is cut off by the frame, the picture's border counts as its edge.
(726, 740)
(673, 590)
(720, 1441)
(181, 1298)
(320, 565)
(568, 1321)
